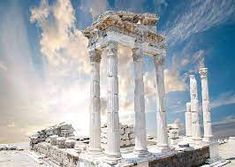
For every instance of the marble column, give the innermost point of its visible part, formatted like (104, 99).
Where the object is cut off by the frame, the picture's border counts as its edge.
(162, 137)
(188, 120)
(205, 105)
(196, 131)
(95, 122)
(113, 133)
(139, 103)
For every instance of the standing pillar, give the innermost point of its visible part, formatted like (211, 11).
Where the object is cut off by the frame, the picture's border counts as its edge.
(196, 131)
(95, 123)
(188, 120)
(113, 132)
(139, 104)
(205, 105)
(162, 139)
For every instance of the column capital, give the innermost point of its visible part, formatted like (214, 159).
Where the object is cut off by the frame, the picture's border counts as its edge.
(112, 47)
(191, 76)
(203, 72)
(137, 53)
(159, 59)
(94, 55)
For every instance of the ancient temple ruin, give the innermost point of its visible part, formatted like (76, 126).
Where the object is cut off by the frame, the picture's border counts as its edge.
(136, 31)
(121, 145)
(192, 122)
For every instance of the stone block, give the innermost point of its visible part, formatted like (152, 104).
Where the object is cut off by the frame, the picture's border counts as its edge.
(122, 131)
(61, 142)
(124, 136)
(131, 135)
(53, 140)
(127, 130)
(70, 143)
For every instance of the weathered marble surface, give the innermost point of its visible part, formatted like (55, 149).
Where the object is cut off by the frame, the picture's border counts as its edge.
(112, 149)
(196, 131)
(173, 132)
(95, 120)
(62, 130)
(161, 103)
(60, 156)
(139, 101)
(126, 135)
(188, 120)
(205, 105)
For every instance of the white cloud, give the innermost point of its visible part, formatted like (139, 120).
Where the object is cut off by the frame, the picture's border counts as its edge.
(173, 81)
(3, 67)
(223, 99)
(61, 42)
(94, 7)
(200, 16)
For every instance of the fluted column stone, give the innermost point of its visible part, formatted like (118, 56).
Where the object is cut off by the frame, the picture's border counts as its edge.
(162, 137)
(139, 103)
(113, 132)
(196, 131)
(188, 120)
(205, 105)
(95, 120)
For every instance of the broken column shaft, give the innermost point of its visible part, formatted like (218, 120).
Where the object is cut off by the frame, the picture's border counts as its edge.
(196, 131)
(205, 105)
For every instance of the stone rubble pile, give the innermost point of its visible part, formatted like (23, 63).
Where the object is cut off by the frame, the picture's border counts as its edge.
(9, 147)
(60, 130)
(173, 132)
(126, 135)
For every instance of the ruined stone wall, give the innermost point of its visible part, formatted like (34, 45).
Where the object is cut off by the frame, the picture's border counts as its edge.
(185, 158)
(62, 157)
(126, 135)
(61, 130)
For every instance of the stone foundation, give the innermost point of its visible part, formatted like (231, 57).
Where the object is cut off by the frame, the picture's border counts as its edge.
(186, 158)
(62, 157)
(78, 158)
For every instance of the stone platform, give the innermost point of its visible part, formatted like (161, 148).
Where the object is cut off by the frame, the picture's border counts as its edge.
(194, 157)
(76, 157)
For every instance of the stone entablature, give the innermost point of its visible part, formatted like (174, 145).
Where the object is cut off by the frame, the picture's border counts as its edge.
(143, 18)
(125, 28)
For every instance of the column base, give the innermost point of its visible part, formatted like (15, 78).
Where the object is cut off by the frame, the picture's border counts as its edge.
(162, 148)
(97, 151)
(142, 153)
(207, 139)
(189, 140)
(197, 140)
(112, 159)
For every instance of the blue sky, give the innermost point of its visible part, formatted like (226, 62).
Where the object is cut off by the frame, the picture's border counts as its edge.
(44, 68)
